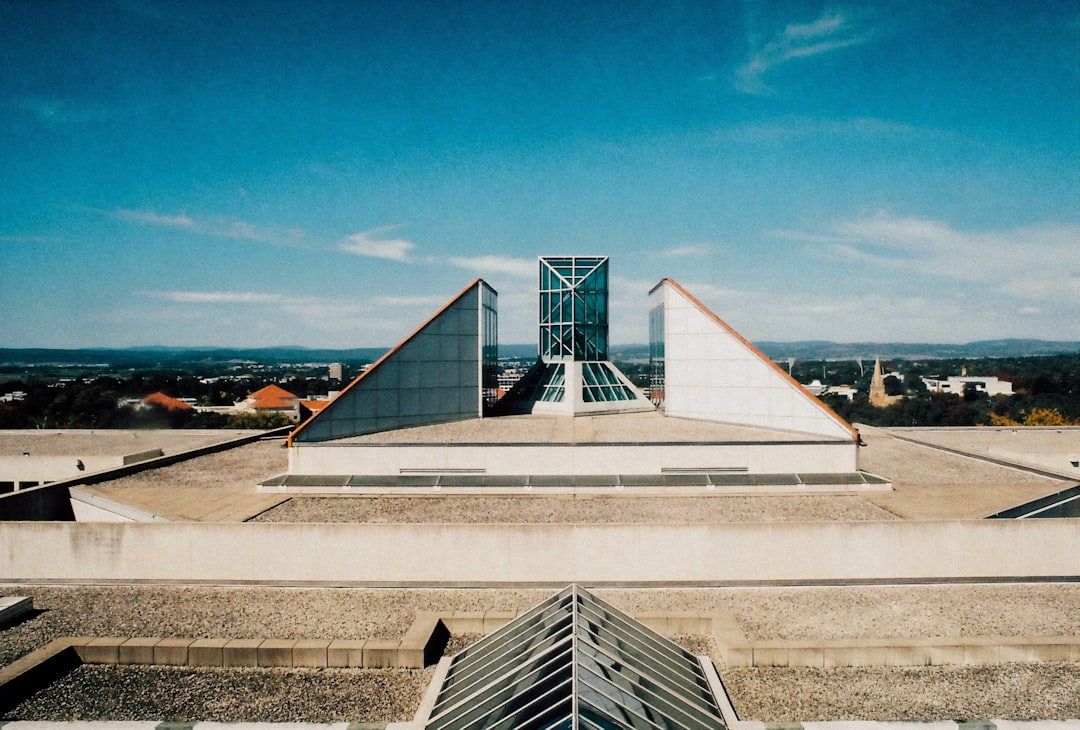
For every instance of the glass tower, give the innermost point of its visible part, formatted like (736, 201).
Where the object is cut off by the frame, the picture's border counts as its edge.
(573, 374)
(573, 308)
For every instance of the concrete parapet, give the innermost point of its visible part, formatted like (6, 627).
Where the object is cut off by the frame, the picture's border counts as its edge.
(345, 653)
(139, 650)
(101, 650)
(207, 653)
(381, 653)
(172, 652)
(276, 653)
(241, 653)
(653, 554)
(310, 653)
(830, 653)
(465, 622)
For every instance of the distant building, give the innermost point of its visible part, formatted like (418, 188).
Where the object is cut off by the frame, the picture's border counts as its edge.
(878, 396)
(988, 384)
(337, 371)
(165, 401)
(271, 399)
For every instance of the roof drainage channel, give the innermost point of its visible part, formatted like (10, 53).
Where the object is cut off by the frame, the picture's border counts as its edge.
(703, 479)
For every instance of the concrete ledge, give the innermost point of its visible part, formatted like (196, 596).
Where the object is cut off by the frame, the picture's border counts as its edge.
(207, 653)
(172, 652)
(829, 653)
(28, 673)
(14, 607)
(345, 653)
(276, 653)
(241, 653)
(310, 653)
(139, 650)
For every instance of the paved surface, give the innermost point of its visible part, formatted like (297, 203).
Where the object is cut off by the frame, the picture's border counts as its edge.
(105, 442)
(932, 484)
(651, 427)
(214, 488)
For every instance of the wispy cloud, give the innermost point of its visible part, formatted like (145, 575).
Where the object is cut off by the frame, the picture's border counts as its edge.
(1034, 262)
(367, 243)
(154, 218)
(216, 226)
(831, 31)
(524, 268)
(689, 250)
(220, 297)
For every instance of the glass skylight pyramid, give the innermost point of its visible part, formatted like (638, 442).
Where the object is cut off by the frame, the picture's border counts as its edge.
(573, 662)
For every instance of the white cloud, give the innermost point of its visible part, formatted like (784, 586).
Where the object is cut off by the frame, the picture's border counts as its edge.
(154, 218)
(364, 243)
(689, 250)
(216, 297)
(829, 32)
(218, 227)
(1034, 262)
(524, 268)
(432, 302)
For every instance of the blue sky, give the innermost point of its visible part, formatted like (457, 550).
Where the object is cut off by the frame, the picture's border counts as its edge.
(329, 173)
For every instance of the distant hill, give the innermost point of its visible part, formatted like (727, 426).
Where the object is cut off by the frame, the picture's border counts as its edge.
(821, 350)
(176, 357)
(170, 357)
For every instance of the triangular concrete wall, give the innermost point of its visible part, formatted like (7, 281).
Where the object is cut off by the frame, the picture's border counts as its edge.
(712, 373)
(434, 375)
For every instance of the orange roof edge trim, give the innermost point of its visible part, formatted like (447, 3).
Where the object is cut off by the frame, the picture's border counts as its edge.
(474, 283)
(806, 394)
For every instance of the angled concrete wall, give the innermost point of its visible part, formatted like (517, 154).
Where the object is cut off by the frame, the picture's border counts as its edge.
(592, 554)
(712, 373)
(434, 375)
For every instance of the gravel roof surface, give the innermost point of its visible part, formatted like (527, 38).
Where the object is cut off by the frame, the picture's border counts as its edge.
(1005, 691)
(119, 693)
(1045, 609)
(579, 509)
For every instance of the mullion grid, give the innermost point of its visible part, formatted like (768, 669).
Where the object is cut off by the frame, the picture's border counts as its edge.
(501, 687)
(496, 705)
(646, 689)
(519, 638)
(667, 672)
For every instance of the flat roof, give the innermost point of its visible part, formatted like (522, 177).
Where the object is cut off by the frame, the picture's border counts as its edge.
(646, 427)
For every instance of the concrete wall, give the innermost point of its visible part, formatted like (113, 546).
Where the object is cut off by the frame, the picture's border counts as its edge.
(546, 554)
(711, 373)
(826, 457)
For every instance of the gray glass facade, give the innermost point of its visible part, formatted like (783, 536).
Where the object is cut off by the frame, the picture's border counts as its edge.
(444, 371)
